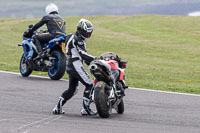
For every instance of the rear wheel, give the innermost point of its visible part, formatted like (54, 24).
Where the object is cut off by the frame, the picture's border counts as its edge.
(25, 69)
(58, 70)
(103, 104)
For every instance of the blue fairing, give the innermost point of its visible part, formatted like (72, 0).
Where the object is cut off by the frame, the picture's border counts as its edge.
(27, 47)
(52, 42)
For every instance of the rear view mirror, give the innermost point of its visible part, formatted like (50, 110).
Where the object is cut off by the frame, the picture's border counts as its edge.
(30, 26)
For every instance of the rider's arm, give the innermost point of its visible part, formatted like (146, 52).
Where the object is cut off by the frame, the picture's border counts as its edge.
(84, 55)
(39, 24)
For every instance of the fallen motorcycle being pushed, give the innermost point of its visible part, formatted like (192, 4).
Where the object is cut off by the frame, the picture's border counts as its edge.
(53, 59)
(110, 86)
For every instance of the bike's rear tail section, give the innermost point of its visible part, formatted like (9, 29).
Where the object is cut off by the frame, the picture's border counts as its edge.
(109, 84)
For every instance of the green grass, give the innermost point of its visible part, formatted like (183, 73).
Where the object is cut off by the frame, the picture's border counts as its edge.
(163, 51)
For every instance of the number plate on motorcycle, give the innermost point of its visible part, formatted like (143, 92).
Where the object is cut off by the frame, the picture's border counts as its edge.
(63, 47)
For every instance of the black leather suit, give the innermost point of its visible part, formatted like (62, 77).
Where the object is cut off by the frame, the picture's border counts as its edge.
(55, 25)
(76, 53)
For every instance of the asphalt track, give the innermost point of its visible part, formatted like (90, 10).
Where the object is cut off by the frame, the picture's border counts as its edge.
(26, 105)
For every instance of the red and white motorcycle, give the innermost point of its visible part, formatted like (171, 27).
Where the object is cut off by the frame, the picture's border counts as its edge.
(110, 86)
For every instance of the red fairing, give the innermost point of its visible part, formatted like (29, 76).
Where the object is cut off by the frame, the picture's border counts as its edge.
(114, 65)
(121, 75)
(95, 81)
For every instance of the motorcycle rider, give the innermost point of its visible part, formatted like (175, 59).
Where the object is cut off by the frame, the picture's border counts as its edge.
(55, 25)
(76, 53)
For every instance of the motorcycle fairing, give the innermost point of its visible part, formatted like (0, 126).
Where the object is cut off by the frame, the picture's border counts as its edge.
(114, 65)
(28, 48)
(56, 41)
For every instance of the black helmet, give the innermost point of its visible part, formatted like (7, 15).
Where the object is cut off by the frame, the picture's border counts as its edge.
(84, 28)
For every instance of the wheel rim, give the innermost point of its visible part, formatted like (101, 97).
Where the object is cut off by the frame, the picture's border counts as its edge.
(23, 65)
(54, 70)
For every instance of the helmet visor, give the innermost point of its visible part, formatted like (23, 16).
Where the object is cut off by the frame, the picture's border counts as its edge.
(88, 34)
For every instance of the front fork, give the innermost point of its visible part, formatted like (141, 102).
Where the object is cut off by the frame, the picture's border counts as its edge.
(115, 96)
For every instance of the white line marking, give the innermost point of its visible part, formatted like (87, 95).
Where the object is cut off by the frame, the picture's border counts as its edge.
(39, 122)
(36, 76)
(38, 126)
(32, 123)
(6, 119)
(53, 120)
(141, 89)
(26, 131)
(9, 72)
(168, 92)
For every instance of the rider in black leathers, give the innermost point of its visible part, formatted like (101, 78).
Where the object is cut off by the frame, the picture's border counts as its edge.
(76, 53)
(55, 25)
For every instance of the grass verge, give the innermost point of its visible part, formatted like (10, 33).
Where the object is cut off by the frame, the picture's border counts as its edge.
(163, 51)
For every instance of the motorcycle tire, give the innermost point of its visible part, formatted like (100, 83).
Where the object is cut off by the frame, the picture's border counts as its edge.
(120, 107)
(103, 105)
(24, 68)
(59, 67)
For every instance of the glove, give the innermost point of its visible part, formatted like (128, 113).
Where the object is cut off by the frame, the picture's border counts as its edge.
(27, 34)
(101, 57)
(98, 58)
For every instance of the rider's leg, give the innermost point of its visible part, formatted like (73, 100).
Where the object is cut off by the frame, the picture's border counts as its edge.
(85, 79)
(66, 95)
(41, 38)
(87, 101)
(78, 73)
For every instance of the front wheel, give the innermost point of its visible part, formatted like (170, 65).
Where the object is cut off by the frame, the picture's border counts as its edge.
(58, 70)
(120, 107)
(101, 100)
(24, 68)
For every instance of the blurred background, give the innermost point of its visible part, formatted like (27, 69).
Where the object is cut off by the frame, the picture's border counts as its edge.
(35, 8)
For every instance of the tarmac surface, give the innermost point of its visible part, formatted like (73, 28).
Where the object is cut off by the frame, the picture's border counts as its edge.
(26, 107)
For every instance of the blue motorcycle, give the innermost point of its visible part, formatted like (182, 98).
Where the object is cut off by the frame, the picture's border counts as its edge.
(53, 61)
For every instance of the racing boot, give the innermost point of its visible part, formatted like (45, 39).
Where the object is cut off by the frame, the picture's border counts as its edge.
(39, 49)
(58, 108)
(86, 108)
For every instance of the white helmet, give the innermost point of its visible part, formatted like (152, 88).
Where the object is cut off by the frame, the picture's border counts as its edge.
(51, 8)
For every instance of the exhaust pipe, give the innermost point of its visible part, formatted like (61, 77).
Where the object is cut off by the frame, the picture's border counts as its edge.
(93, 67)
